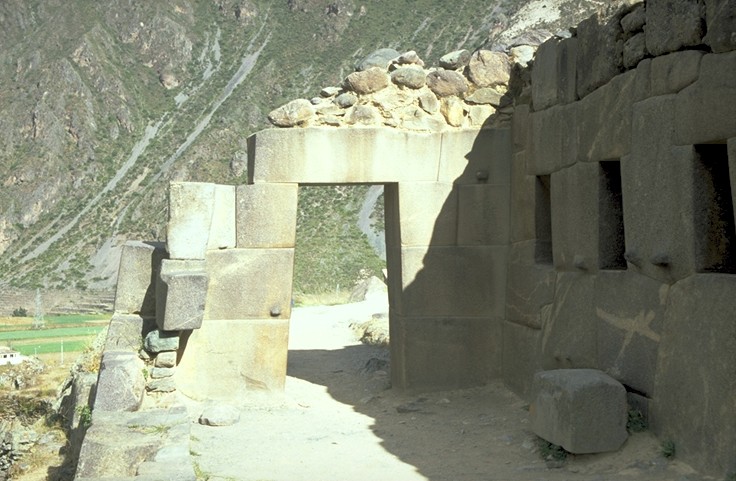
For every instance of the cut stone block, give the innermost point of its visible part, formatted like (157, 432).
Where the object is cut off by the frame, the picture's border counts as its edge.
(582, 410)
(466, 154)
(672, 73)
(249, 284)
(520, 357)
(439, 353)
(124, 333)
(567, 56)
(452, 281)
(158, 341)
(140, 263)
(531, 286)
(673, 24)
(604, 120)
(222, 230)
(320, 155)
(483, 215)
(704, 110)
(191, 207)
(569, 331)
(695, 393)
(266, 215)
(599, 52)
(660, 177)
(720, 18)
(120, 383)
(182, 294)
(233, 360)
(630, 311)
(426, 211)
(574, 195)
(522, 200)
(521, 127)
(545, 75)
(553, 147)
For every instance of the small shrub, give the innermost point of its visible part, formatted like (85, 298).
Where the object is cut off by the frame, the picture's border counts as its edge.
(668, 449)
(636, 422)
(85, 416)
(20, 312)
(550, 451)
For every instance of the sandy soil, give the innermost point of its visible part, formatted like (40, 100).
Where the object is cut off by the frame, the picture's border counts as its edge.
(339, 420)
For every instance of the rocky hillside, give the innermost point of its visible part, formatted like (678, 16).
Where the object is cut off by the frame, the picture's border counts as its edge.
(102, 103)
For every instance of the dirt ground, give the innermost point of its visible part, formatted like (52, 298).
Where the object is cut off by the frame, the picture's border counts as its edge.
(339, 420)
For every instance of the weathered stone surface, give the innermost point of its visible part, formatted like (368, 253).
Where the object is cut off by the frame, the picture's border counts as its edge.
(489, 69)
(567, 57)
(117, 443)
(522, 55)
(697, 339)
(414, 118)
(445, 83)
(124, 333)
(478, 115)
(267, 273)
(392, 99)
(327, 155)
(521, 128)
(704, 110)
(569, 332)
(165, 384)
(165, 359)
(483, 215)
(181, 471)
(181, 294)
(222, 230)
(464, 154)
(673, 24)
(412, 77)
(379, 58)
(436, 281)
(429, 103)
(218, 347)
(120, 383)
(427, 212)
(660, 177)
(520, 357)
(599, 53)
(330, 92)
(673, 72)
(575, 217)
(136, 287)
(367, 81)
(455, 60)
(720, 18)
(408, 58)
(603, 120)
(191, 205)
(158, 341)
(531, 287)
(552, 147)
(444, 352)
(487, 96)
(582, 410)
(219, 415)
(634, 21)
(635, 49)
(296, 112)
(630, 315)
(545, 76)
(453, 110)
(347, 99)
(162, 372)
(266, 215)
(363, 115)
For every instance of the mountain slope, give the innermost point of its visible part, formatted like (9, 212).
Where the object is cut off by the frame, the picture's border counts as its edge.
(103, 103)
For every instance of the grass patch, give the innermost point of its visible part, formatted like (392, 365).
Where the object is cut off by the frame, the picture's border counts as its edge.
(551, 452)
(636, 422)
(667, 448)
(52, 347)
(51, 333)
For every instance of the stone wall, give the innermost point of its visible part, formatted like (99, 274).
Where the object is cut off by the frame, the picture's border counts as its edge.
(622, 219)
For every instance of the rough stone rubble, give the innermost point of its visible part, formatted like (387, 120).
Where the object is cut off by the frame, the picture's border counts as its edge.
(395, 89)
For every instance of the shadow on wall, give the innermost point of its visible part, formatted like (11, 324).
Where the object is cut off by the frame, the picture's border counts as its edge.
(446, 321)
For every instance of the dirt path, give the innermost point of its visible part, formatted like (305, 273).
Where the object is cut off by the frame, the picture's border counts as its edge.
(339, 421)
